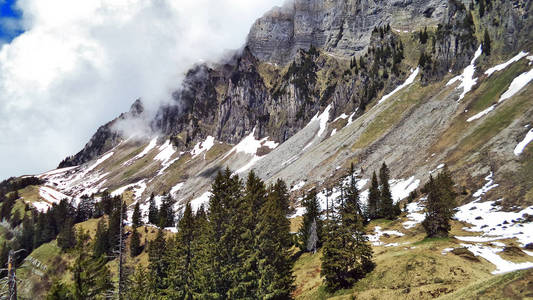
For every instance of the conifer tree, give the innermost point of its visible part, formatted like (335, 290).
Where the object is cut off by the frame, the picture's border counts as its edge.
(166, 212)
(181, 272)
(136, 218)
(67, 237)
(135, 243)
(157, 262)
(440, 205)
(311, 215)
(59, 291)
(26, 240)
(486, 43)
(90, 276)
(139, 287)
(374, 199)
(273, 242)
(387, 205)
(101, 239)
(153, 211)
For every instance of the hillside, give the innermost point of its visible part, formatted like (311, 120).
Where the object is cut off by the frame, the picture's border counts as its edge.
(321, 85)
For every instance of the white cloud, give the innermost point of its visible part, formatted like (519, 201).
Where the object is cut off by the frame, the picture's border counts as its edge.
(81, 63)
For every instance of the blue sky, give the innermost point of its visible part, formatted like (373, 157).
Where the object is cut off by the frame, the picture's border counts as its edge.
(10, 19)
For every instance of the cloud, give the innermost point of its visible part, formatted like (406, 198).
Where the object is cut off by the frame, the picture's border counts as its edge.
(79, 64)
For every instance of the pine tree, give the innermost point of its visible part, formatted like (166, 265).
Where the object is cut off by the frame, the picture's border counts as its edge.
(139, 287)
(481, 8)
(67, 237)
(85, 209)
(374, 199)
(90, 276)
(273, 243)
(311, 215)
(136, 218)
(181, 273)
(27, 237)
(440, 205)
(387, 205)
(101, 244)
(135, 243)
(157, 262)
(153, 211)
(59, 291)
(486, 43)
(166, 212)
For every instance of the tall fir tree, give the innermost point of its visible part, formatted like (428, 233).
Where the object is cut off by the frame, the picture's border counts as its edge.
(166, 211)
(153, 211)
(374, 199)
(135, 243)
(158, 263)
(387, 206)
(311, 215)
(440, 205)
(101, 244)
(66, 239)
(136, 218)
(486, 45)
(90, 276)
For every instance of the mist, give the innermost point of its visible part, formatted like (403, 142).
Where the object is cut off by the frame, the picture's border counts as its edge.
(79, 64)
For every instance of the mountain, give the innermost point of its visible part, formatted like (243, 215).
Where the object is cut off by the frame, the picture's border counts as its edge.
(322, 84)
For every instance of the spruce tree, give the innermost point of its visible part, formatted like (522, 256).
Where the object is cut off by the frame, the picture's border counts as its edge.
(166, 212)
(387, 205)
(139, 287)
(28, 232)
(157, 262)
(486, 43)
(67, 237)
(153, 211)
(136, 218)
(181, 272)
(311, 215)
(374, 199)
(135, 243)
(90, 275)
(440, 205)
(101, 244)
(273, 243)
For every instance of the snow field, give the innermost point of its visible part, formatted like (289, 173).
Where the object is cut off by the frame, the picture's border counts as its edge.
(407, 82)
(467, 77)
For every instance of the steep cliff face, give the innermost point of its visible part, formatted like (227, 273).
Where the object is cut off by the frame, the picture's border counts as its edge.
(105, 138)
(342, 28)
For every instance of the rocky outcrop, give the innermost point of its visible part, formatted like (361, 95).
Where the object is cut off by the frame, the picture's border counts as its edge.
(105, 138)
(340, 27)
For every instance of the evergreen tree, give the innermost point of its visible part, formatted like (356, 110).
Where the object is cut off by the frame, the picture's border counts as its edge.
(139, 287)
(101, 239)
(67, 237)
(115, 220)
(135, 243)
(481, 8)
(90, 276)
(4, 255)
(181, 272)
(486, 43)
(153, 211)
(136, 218)
(387, 205)
(157, 262)
(59, 291)
(440, 205)
(273, 242)
(311, 215)
(28, 233)
(106, 203)
(374, 199)
(85, 209)
(166, 212)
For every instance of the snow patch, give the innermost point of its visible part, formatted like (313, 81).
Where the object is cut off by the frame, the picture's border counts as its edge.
(41, 205)
(487, 187)
(401, 188)
(481, 114)
(51, 195)
(298, 186)
(506, 64)
(343, 116)
(516, 85)
(323, 121)
(407, 82)
(203, 199)
(414, 215)
(522, 145)
(490, 254)
(165, 152)
(378, 233)
(137, 189)
(99, 161)
(203, 146)
(467, 77)
(174, 190)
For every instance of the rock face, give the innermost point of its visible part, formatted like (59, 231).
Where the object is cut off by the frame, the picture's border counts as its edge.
(311, 54)
(340, 27)
(105, 138)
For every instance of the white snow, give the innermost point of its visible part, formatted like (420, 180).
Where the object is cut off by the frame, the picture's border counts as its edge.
(490, 254)
(99, 161)
(481, 114)
(298, 186)
(506, 64)
(250, 145)
(407, 82)
(333, 131)
(437, 168)
(323, 121)
(446, 250)
(147, 149)
(300, 211)
(414, 215)
(56, 171)
(522, 145)
(41, 205)
(137, 188)
(494, 224)
(487, 187)
(165, 152)
(342, 116)
(400, 188)
(174, 190)
(467, 77)
(51, 195)
(374, 238)
(203, 199)
(517, 84)
(203, 146)
(350, 119)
